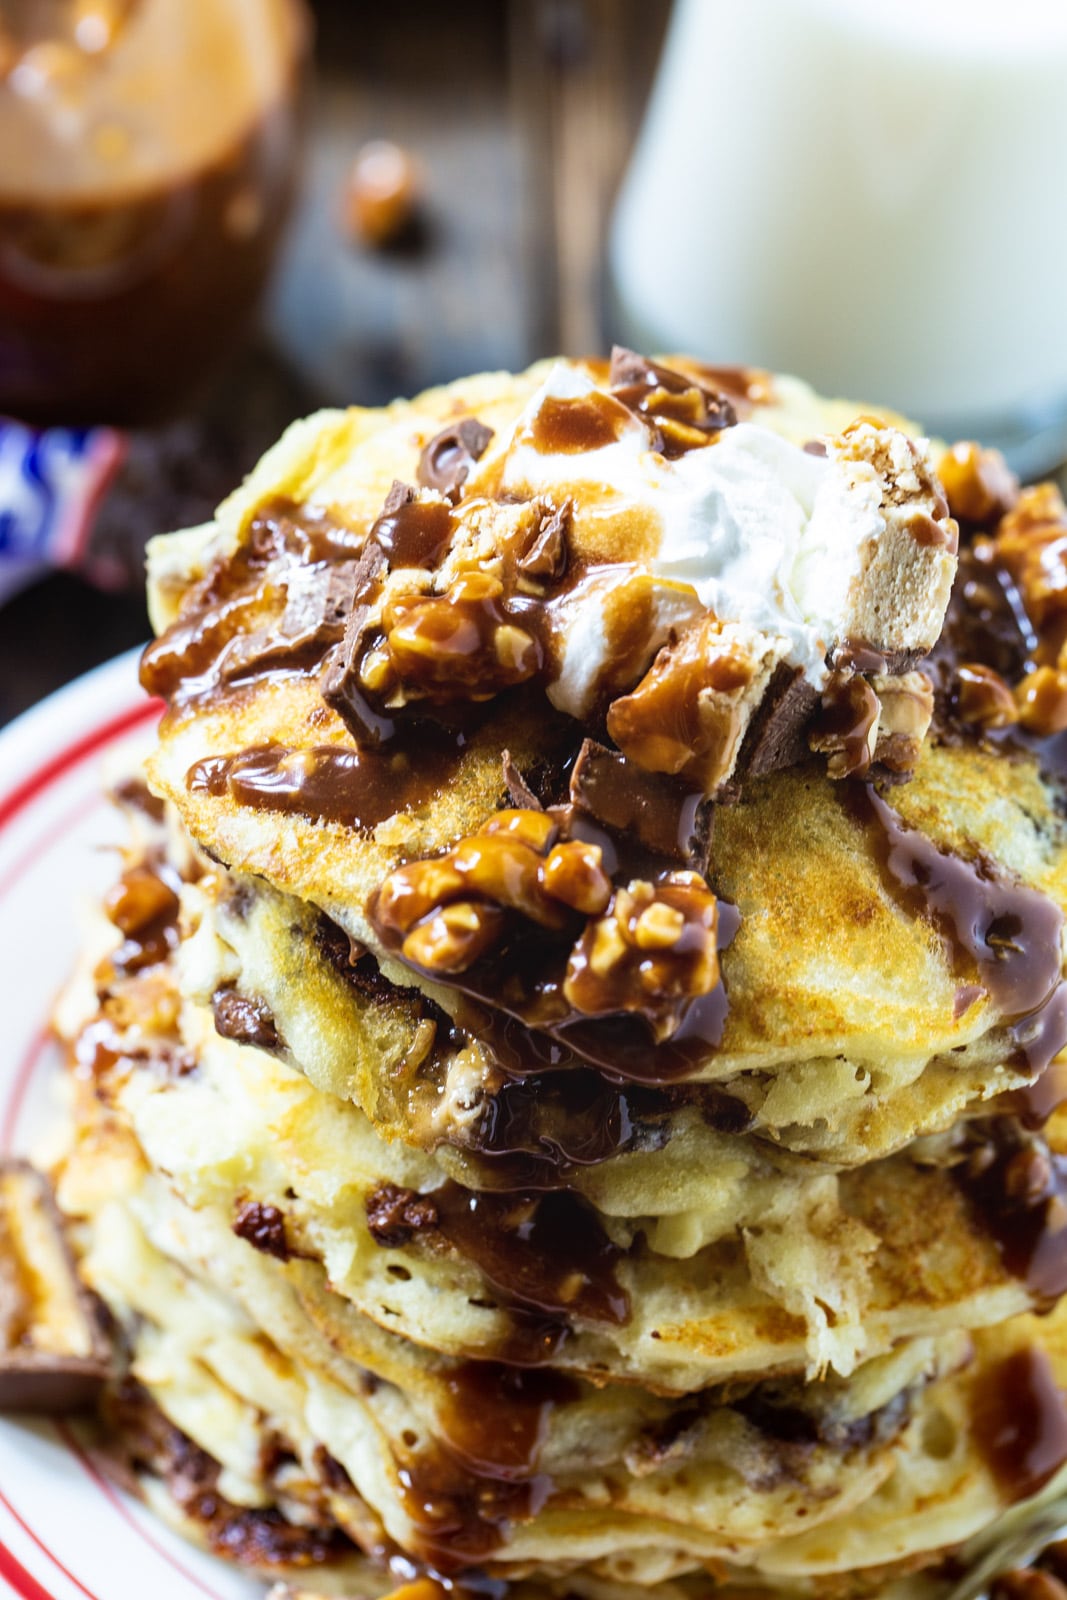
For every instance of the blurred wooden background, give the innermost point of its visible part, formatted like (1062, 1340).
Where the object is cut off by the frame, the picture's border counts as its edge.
(521, 116)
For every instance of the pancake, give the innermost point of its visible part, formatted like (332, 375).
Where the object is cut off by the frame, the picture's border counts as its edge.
(889, 1004)
(206, 1359)
(567, 1088)
(362, 1037)
(707, 1257)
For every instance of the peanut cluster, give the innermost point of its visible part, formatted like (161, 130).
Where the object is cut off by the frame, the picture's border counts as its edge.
(470, 630)
(654, 949)
(646, 947)
(463, 644)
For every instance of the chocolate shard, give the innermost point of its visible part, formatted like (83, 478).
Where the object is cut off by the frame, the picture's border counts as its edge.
(339, 684)
(519, 791)
(547, 556)
(447, 459)
(401, 494)
(775, 737)
(318, 604)
(634, 379)
(55, 1355)
(666, 816)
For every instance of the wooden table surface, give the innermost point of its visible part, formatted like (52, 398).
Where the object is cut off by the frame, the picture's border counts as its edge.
(521, 116)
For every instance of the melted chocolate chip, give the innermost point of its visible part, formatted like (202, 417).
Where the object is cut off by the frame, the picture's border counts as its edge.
(263, 1227)
(244, 1018)
(544, 1253)
(395, 1215)
(447, 459)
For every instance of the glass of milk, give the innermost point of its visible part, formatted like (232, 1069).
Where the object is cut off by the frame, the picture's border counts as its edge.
(870, 193)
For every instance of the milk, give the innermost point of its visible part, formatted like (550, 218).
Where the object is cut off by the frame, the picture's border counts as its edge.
(873, 195)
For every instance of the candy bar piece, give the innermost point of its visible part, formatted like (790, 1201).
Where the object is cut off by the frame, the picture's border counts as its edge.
(54, 1355)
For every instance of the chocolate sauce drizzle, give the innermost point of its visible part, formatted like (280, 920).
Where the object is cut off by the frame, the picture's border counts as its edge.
(1018, 1188)
(330, 783)
(1020, 1423)
(1001, 934)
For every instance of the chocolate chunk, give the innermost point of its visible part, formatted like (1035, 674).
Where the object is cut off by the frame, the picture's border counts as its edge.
(339, 685)
(55, 1355)
(547, 556)
(519, 791)
(663, 814)
(395, 1215)
(263, 1227)
(775, 736)
(248, 1020)
(447, 459)
(629, 367)
(668, 401)
(318, 603)
(401, 494)
(862, 657)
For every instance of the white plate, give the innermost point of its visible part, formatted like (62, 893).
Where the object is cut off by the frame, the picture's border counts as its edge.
(65, 1531)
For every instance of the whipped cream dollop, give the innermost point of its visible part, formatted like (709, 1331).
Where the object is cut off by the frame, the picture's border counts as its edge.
(752, 527)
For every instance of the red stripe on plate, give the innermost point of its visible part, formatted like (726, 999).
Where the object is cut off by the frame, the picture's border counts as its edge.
(62, 762)
(23, 1582)
(34, 1591)
(118, 1504)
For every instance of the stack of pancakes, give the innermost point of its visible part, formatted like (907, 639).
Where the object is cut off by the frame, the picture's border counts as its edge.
(565, 1090)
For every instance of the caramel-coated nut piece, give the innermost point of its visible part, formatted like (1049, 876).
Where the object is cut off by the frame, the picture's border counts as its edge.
(685, 716)
(535, 828)
(463, 643)
(412, 891)
(845, 728)
(1032, 543)
(653, 950)
(982, 698)
(454, 937)
(574, 873)
(1042, 701)
(502, 868)
(979, 485)
(659, 927)
(138, 899)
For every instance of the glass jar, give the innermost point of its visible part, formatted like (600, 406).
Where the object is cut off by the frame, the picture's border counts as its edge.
(147, 159)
